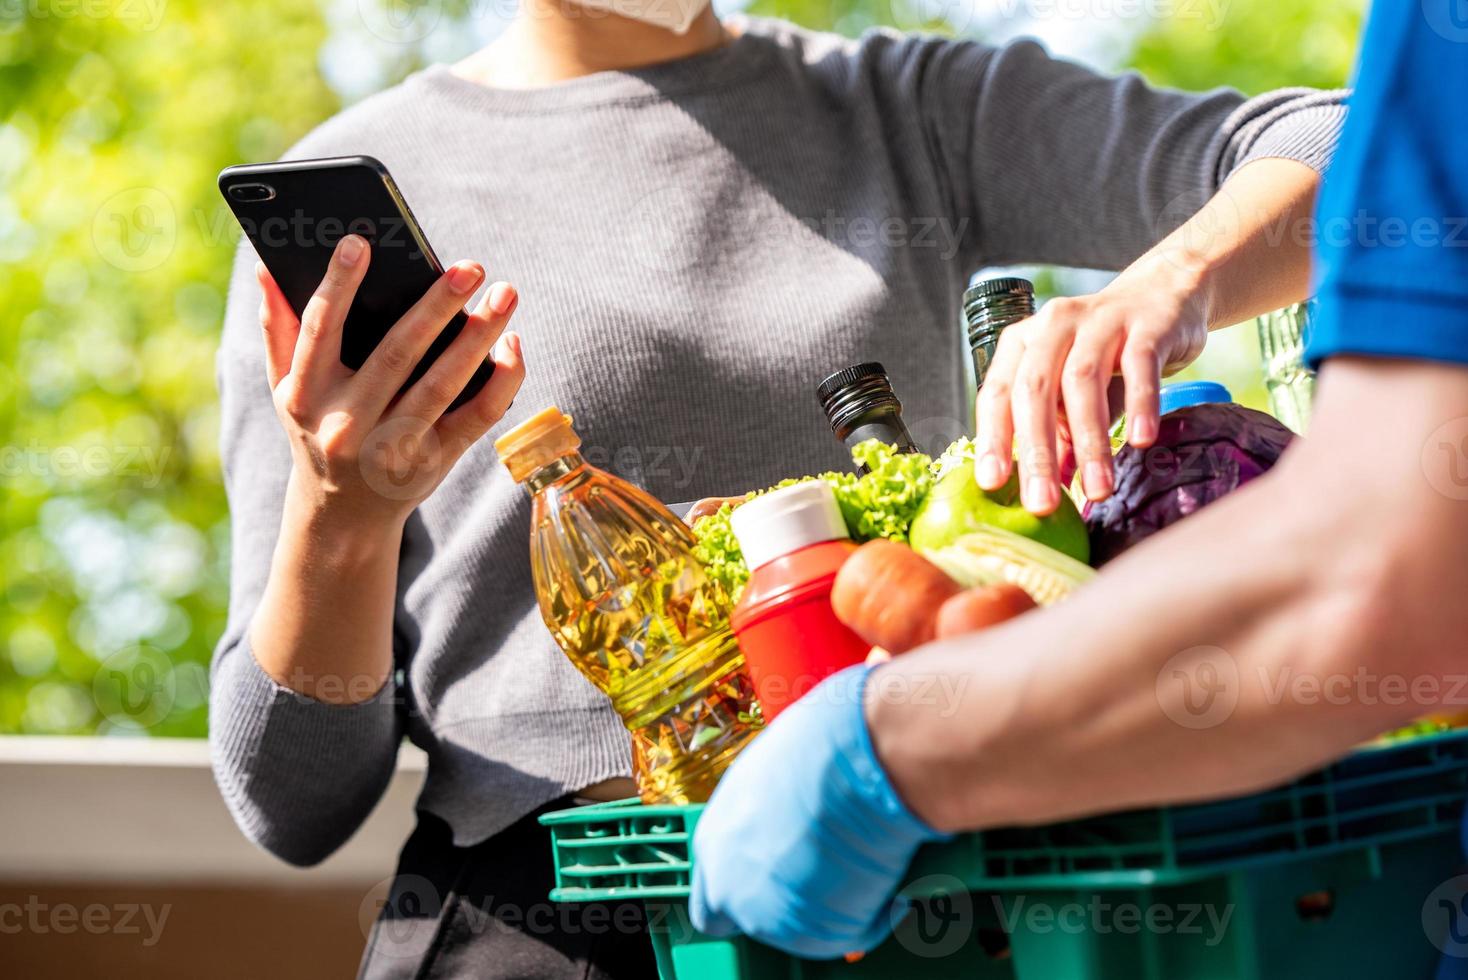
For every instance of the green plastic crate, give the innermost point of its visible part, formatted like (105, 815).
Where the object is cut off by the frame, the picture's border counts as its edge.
(1325, 877)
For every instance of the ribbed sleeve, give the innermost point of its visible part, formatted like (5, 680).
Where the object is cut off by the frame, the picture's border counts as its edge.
(1292, 124)
(1048, 161)
(298, 775)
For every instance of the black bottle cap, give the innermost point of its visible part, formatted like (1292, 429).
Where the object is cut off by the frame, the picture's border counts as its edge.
(997, 287)
(834, 383)
(860, 404)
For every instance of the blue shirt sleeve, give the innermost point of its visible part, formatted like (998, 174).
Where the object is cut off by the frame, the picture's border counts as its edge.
(1393, 216)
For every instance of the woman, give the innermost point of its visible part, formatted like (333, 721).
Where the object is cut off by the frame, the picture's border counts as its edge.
(704, 223)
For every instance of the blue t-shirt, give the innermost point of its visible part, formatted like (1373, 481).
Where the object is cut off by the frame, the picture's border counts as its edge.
(1393, 217)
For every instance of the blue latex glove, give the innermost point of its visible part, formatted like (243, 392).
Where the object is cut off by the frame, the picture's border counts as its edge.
(805, 841)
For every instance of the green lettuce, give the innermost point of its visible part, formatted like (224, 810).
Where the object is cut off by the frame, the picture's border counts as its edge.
(880, 503)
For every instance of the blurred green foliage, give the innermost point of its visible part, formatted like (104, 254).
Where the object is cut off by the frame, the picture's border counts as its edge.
(1256, 46)
(115, 117)
(115, 248)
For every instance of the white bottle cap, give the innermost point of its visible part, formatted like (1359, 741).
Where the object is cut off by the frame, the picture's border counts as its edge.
(777, 523)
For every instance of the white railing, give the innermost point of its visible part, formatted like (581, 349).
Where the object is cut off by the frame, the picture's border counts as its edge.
(147, 810)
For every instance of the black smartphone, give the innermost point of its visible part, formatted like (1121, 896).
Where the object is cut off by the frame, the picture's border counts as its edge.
(295, 212)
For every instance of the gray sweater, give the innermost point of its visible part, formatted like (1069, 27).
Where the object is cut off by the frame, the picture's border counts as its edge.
(696, 245)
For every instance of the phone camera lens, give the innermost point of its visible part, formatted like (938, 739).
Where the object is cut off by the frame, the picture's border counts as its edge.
(251, 193)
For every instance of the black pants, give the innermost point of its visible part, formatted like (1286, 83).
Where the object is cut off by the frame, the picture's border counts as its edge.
(483, 912)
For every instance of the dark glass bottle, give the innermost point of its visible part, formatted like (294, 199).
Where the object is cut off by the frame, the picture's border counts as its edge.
(860, 404)
(989, 307)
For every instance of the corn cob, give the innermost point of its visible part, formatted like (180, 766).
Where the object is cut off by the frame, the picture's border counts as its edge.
(993, 555)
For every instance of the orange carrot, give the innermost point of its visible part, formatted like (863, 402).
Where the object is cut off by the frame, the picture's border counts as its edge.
(890, 595)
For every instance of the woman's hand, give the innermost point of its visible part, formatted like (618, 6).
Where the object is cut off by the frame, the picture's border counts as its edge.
(709, 506)
(1051, 384)
(359, 449)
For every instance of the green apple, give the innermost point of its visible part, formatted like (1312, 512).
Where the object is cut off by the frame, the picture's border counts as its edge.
(956, 506)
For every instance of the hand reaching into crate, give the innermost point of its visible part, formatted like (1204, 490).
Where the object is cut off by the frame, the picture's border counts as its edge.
(809, 805)
(833, 886)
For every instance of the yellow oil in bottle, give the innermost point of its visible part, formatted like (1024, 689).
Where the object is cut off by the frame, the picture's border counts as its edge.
(622, 594)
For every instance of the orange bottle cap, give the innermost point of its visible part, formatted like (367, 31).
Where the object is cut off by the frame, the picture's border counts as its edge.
(545, 436)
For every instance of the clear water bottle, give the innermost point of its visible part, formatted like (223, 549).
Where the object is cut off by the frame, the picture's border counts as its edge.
(1291, 385)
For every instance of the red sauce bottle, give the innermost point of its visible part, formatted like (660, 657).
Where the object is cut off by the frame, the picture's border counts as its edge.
(794, 541)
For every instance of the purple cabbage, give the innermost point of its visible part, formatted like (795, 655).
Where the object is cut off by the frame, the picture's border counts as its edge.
(1202, 453)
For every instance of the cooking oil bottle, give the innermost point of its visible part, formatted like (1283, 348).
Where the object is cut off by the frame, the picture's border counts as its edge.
(622, 594)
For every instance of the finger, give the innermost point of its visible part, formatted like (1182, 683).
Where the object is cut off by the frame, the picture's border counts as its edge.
(1141, 372)
(318, 352)
(1035, 397)
(994, 443)
(388, 366)
(279, 324)
(1084, 383)
(459, 429)
(433, 393)
(977, 609)
(709, 506)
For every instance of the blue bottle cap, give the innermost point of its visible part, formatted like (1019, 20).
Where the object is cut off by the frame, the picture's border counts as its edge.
(1185, 393)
